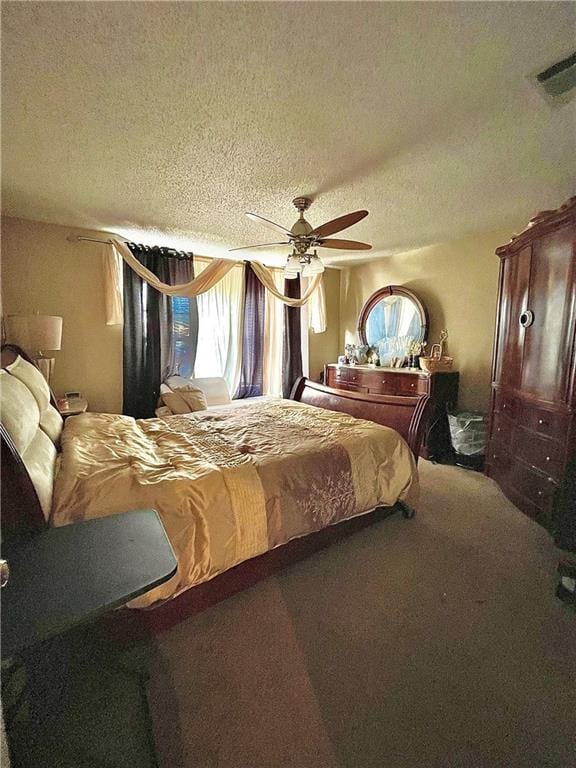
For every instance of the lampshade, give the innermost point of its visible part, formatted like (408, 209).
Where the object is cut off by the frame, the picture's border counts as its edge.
(314, 267)
(293, 267)
(34, 333)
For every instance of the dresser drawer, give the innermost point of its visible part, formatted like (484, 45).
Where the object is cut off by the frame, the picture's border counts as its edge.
(541, 452)
(543, 421)
(343, 375)
(350, 386)
(397, 384)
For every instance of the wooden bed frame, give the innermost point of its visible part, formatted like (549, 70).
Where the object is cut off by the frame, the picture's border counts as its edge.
(22, 514)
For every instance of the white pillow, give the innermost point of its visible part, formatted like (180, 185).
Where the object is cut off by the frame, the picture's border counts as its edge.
(214, 387)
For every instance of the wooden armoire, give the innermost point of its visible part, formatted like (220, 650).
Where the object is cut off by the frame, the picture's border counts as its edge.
(532, 430)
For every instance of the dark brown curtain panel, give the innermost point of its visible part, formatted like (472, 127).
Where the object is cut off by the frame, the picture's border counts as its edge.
(153, 325)
(251, 372)
(292, 339)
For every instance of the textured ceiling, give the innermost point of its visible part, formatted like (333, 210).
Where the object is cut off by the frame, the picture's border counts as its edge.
(166, 121)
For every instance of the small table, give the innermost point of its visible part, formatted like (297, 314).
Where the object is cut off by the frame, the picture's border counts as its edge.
(65, 576)
(72, 703)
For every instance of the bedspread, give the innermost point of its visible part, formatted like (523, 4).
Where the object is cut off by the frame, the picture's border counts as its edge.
(230, 484)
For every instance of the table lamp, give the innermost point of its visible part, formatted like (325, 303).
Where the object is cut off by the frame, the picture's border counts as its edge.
(36, 334)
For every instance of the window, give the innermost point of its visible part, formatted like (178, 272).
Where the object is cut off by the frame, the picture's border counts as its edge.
(183, 333)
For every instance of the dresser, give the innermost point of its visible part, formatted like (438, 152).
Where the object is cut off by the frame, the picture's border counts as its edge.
(441, 387)
(532, 430)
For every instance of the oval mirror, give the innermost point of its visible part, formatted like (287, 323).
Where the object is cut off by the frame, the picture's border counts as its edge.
(391, 320)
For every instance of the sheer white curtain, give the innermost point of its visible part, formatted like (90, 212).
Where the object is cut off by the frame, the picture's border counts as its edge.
(316, 308)
(220, 315)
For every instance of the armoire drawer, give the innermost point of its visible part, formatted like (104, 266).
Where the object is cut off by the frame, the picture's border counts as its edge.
(504, 403)
(523, 481)
(502, 429)
(541, 452)
(543, 421)
(534, 485)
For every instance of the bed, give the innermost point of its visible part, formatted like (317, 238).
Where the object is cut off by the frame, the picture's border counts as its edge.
(241, 491)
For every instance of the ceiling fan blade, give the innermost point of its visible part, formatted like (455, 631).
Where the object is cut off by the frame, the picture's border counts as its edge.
(345, 245)
(337, 225)
(267, 223)
(259, 245)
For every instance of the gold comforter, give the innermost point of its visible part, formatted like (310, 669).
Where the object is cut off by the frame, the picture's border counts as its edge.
(230, 484)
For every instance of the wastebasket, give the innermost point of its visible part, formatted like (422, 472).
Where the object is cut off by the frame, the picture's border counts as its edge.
(468, 435)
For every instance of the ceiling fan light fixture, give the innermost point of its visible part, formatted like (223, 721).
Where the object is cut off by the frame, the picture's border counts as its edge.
(293, 267)
(313, 267)
(302, 237)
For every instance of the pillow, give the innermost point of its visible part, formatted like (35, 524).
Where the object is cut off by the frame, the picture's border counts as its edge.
(194, 397)
(184, 400)
(51, 421)
(214, 387)
(175, 402)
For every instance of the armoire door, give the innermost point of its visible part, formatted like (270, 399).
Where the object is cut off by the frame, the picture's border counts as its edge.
(513, 302)
(548, 341)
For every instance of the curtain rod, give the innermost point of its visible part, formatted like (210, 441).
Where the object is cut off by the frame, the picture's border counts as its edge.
(171, 252)
(90, 240)
(110, 242)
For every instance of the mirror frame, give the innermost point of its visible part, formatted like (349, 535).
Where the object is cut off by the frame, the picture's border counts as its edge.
(382, 293)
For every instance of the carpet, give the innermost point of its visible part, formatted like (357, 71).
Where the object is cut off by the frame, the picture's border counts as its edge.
(428, 643)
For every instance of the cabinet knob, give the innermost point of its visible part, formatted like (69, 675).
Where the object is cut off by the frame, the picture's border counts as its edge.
(413, 385)
(547, 458)
(526, 318)
(541, 421)
(539, 493)
(504, 406)
(499, 429)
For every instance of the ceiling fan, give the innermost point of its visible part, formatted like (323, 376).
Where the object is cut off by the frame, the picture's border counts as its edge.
(303, 237)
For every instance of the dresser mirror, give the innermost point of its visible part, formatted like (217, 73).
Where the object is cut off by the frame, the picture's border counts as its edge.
(392, 319)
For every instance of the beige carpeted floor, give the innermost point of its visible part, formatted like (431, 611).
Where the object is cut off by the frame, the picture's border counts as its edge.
(428, 643)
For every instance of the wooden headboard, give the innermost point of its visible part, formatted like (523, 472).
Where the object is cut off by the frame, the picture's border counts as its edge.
(406, 414)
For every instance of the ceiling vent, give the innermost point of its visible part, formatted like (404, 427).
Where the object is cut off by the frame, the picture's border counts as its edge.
(557, 83)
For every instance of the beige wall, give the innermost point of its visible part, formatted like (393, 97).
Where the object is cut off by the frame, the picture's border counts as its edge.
(458, 283)
(325, 347)
(42, 270)
(45, 271)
